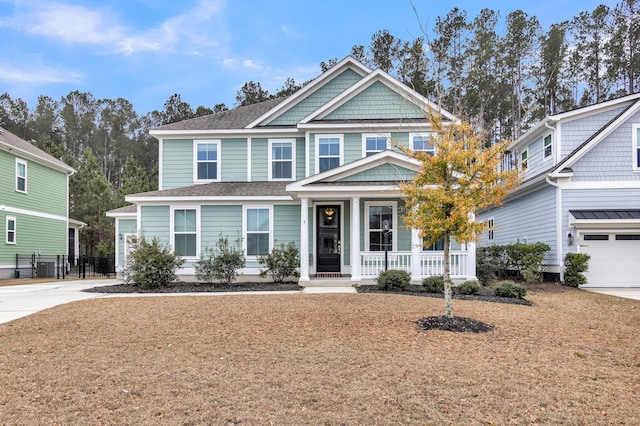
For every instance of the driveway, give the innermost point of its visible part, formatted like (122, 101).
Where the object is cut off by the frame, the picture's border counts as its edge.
(625, 292)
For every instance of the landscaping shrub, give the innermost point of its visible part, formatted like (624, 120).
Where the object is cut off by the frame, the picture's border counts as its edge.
(574, 265)
(488, 263)
(434, 284)
(468, 287)
(394, 279)
(510, 289)
(221, 264)
(527, 259)
(281, 263)
(151, 265)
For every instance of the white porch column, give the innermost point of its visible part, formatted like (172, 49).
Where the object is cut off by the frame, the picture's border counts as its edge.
(304, 239)
(416, 249)
(355, 239)
(471, 261)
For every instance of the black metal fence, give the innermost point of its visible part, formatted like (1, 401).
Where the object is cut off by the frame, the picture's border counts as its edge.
(61, 266)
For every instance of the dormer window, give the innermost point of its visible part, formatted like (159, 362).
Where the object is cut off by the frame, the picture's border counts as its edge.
(548, 147)
(374, 143)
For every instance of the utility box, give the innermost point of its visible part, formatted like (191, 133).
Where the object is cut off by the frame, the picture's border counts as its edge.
(46, 269)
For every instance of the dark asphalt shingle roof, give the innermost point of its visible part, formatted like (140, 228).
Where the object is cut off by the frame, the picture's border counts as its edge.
(222, 189)
(237, 118)
(606, 214)
(10, 139)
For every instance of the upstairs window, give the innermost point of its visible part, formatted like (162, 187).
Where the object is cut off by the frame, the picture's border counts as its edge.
(329, 152)
(636, 147)
(207, 161)
(11, 230)
(548, 146)
(21, 175)
(524, 160)
(281, 158)
(374, 143)
(490, 229)
(423, 143)
(185, 232)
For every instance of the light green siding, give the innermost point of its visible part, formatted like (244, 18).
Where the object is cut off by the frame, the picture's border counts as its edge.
(259, 159)
(125, 226)
(384, 172)
(32, 233)
(300, 158)
(352, 147)
(155, 223)
(320, 97)
(217, 220)
(376, 102)
(46, 187)
(234, 160)
(286, 223)
(177, 163)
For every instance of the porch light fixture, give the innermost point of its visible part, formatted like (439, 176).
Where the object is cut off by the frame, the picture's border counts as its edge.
(570, 239)
(386, 228)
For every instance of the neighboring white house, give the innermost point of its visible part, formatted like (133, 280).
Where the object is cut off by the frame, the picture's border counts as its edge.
(580, 193)
(319, 168)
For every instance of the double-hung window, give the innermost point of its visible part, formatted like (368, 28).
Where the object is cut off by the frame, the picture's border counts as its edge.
(524, 160)
(282, 159)
(636, 147)
(490, 229)
(21, 175)
(257, 230)
(11, 230)
(374, 143)
(422, 142)
(380, 220)
(185, 232)
(207, 167)
(329, 152)
(548, 147)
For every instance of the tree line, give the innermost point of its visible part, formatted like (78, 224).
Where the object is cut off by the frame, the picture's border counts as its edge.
(501, 75)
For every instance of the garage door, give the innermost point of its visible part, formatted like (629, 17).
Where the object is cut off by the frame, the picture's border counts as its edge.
(615, 259)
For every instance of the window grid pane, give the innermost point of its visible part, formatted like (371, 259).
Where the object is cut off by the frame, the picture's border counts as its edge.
(377, 216)
(207, 161)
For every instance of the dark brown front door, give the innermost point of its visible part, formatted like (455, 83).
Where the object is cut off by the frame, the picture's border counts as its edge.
(328, 239)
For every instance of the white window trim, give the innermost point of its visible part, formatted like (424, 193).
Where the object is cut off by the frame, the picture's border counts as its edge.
(635, 147)
(547, 157)
(374, 135)
(15, 230)
(317, 149)
(172, 229)
(526, 151)
(428, 135)
(394, 226)
(491, 229)
(218, 144)
(244, 228)
(131, 242)
(23, 162)
(293, 159)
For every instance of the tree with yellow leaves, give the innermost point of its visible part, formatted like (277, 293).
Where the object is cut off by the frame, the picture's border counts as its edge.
(463, 176)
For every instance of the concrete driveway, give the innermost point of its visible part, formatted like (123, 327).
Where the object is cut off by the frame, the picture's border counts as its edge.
(625, 292)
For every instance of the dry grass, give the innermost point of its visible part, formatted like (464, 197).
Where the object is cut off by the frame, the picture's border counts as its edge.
(573, 358)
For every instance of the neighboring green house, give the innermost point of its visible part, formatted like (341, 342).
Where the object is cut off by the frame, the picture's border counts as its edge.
(320, 168)
(34, 208)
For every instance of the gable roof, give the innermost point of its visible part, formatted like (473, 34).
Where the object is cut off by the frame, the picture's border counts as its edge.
(18, 146)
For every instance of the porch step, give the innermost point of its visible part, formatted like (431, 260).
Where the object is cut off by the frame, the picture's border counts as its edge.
(325, 289)
(328, 275)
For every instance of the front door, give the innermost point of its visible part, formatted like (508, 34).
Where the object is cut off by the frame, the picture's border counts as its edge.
(328, 239)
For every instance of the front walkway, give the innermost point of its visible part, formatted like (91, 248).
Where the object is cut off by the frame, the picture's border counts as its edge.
(624, 292)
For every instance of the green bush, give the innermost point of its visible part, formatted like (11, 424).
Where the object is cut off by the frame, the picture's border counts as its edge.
(468, 287)
(281, 263)
(221, 264)
(488, 263)
(510, 289)
(151, 265)
(434, 284)
(574, 265)
(394, 279)
(527, 259)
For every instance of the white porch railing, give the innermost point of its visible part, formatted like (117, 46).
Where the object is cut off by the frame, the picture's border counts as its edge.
(431, 263)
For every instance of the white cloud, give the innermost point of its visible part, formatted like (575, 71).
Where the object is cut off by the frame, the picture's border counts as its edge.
(250, 64)
(38, 75)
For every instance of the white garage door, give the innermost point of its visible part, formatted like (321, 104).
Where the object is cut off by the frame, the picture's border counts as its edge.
(615, 259)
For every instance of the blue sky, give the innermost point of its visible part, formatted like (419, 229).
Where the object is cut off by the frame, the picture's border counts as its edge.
(205, 50)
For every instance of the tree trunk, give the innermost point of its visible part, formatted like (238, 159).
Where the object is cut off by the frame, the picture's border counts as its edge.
(448, 305)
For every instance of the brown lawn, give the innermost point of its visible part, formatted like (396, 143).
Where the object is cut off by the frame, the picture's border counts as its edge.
(573, 358)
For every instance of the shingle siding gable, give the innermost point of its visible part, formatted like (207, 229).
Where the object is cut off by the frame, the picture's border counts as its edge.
(575, 132)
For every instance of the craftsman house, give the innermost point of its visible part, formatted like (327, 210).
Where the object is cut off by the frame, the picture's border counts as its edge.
(581, 191)
(320, 168)
(34, 210)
